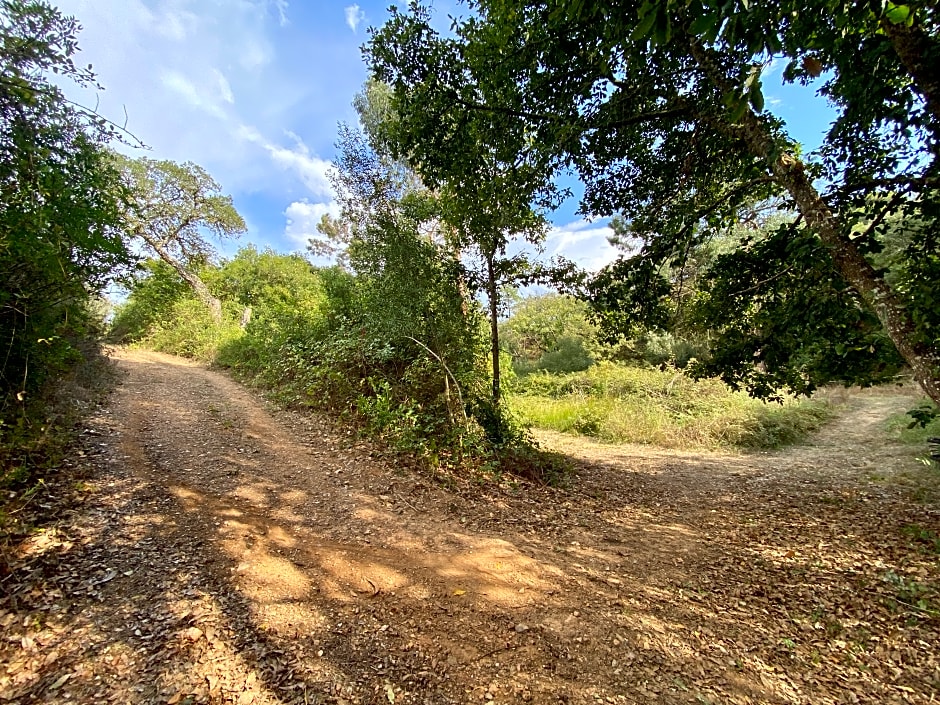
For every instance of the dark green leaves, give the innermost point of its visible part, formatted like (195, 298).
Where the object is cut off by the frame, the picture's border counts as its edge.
(60, 224)
(662, 108)
(648, 16)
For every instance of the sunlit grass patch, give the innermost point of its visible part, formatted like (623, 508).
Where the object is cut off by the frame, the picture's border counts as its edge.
(620, 404)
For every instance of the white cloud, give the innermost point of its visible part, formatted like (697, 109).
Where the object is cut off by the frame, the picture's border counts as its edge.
(354, 16)
(309, 168)
(225, 89)
(302, 219)
(175, 69)
(201, 97)
(281, 7)
(176, 24)
(582, 242)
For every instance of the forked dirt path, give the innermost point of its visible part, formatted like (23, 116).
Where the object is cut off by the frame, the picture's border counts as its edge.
(219, 551)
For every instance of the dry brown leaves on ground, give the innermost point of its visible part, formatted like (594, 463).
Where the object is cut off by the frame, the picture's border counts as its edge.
(204, 548)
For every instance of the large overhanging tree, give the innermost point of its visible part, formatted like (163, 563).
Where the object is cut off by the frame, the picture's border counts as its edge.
(169, 208)
(659, 107)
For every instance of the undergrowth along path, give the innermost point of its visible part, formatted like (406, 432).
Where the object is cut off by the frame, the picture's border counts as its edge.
(221, 551)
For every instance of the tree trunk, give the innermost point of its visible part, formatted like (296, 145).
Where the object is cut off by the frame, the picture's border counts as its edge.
(857, 271)
(492, 290)
(922, 61)
(195, 283)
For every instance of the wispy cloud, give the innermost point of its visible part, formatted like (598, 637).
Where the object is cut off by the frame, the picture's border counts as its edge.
(195, 96)
(281, 7)
(583, 242)
(225, 89)
(302, 219)
(354, 16)
(176, 24)
(309, 168)
(249, 89)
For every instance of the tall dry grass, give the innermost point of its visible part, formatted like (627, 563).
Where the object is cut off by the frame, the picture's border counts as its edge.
(621, 404)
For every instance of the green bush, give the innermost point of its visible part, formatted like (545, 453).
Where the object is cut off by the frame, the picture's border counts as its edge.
(916, 426)
(667, 349)
(152, 293)
(60, 226)
(191, 331)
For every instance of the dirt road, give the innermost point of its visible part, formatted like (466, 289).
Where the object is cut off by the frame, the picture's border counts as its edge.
(220, 551)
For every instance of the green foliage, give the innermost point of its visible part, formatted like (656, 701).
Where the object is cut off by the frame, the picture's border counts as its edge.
(554, 333)
(927, 538)
(284, 299)
(911, 594)
(621, 404)
(154, 289)
(168, 207)
(779, 316)
(59, 215)
(659, 107)
(667, 349)
(923, 415)
(190, 330)
(35, 440)
(539, 324)
(916, 432)
(478, 161)
(568, 355)
(410, 338)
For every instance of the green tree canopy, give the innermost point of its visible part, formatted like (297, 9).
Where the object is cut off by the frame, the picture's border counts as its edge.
(659, 107)
(170, 208)
(411, 284)
(60, 222)
(492, 179)
(539, 323)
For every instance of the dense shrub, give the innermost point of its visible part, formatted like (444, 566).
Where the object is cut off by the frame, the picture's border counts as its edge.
(554, 333)
(59, 220)
(154, 290)
(404, 363)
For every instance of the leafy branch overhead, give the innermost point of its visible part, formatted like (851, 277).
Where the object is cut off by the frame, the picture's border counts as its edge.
(660, 109)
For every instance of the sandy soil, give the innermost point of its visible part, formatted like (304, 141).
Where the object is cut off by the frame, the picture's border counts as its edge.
(207, 548)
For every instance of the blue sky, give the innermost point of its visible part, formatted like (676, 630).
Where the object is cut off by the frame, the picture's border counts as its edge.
(252, 90)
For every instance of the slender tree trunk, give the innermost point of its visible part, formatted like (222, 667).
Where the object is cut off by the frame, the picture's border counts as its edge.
(195, 283)
(492, 290)
(857, 271)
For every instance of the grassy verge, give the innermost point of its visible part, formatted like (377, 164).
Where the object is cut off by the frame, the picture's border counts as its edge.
(903, 427)
(619, 404)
